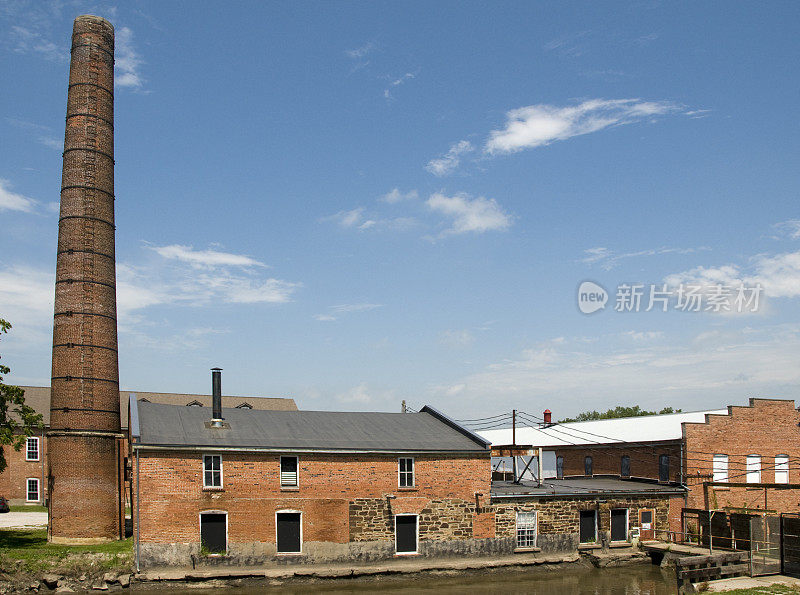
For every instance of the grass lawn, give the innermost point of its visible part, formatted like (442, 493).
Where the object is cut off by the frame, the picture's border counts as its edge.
(32, 548)
(771, 590)
(26, 508)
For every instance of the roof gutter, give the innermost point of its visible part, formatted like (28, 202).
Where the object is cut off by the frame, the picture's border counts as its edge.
(586, 495)
(212, 448)
(458, 428)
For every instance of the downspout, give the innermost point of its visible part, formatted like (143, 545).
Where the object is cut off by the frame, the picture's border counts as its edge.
(43, 487)
(138, 556)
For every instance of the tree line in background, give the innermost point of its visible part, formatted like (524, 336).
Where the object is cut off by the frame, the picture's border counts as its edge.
(616, 412)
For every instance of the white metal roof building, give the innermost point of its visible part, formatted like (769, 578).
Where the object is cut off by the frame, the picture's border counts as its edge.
(646, 428)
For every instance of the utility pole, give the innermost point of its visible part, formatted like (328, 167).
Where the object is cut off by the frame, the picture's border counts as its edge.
(514, 443)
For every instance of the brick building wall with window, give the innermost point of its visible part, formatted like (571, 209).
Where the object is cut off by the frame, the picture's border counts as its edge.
(287, 487)
(747, 458)
(623, 460)
(26, 470)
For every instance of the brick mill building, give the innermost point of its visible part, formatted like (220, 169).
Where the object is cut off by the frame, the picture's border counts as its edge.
(24, 481)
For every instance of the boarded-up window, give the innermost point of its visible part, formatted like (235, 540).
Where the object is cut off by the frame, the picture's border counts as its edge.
(753, 468)
(406, 472)
(289, 471)
(625, 466)
(782, 469)
(663, 468)
(588, 526)
(213, 531)
(288, 532)
(587, 466)
(405, 529)
(619, 524)
(560, 467)
(720, 468)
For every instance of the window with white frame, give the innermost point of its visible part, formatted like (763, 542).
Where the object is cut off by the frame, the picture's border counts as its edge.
(405, 470)
(782, 469)
(212, 471)
(32, 490)
(720, 468)
(753, 468)
(32, 449)
(526, 529)
(289, 472)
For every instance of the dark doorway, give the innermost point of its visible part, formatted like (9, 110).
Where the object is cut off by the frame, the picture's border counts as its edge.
(560, 467)
(588, 526)
(288, 532)
(213, 532)
(663, 468)
(405, 528)
(625, 466)
(619, 524)
(587, 466)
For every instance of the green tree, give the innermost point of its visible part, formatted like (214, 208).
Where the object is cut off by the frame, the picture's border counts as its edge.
(17, 420)
(617, 412)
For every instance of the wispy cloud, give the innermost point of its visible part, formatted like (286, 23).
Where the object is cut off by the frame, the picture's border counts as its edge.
(27, 40)
(395, 196)
(127, 61)
(396, 82)
(790, 228)
(538, 125)
(351, 218)
(11, 201)
(357, 219)
(362, 51)
(336, 312)
(469, 214)
(607, 259)
(456, 338)
(205, 258)
(448, 162)
(711, 369)
(41, 134)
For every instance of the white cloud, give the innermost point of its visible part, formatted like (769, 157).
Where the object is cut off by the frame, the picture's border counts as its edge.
(539, 125)
(387, 93)
(26, 41)
(608, 259)
(470, 214)
(710, 370)
(204, 258)
(336, 312)
(448, 162)
(778, 274)
(456, 339)
(11, 201)
(362, 51)
(357, 394)
(126, 61)
(395, 196)
(324, 317)
(350, 218)
(790, 228)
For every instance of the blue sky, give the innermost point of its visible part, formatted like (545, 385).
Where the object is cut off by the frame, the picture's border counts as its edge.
(358, 203)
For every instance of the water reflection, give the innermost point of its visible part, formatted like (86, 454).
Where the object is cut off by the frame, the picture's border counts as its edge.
(628, 580)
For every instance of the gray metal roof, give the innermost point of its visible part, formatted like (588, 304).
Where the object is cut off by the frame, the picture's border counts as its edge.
(589, 486)
(38, 397)
(176, 426)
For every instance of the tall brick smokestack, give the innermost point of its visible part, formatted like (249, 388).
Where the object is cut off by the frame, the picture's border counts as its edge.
(85, 474)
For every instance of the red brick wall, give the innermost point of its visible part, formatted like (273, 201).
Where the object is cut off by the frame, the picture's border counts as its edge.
(172, 494)
(13, 481)
(606, 459)
(767, 427)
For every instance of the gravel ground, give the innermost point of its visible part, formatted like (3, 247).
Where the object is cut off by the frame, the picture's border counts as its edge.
(23, 520)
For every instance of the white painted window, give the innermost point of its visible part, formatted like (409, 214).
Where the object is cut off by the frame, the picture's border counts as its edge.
(32, 490)
(32, 449)
(289, 471)
(526, 529)
(720, 468)
(212, 471)
(753, 468)
(782, 469)
(405, 471)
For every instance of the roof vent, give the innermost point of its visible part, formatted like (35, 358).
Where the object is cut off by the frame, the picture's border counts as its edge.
(216, 398)
(547, 416)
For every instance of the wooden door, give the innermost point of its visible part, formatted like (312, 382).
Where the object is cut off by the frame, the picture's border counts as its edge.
(647, 524)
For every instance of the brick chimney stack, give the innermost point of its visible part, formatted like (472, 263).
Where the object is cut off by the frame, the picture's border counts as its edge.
(85, 440)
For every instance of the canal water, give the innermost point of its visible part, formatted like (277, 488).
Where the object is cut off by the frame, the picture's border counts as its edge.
(640, 579)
